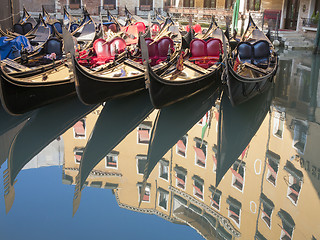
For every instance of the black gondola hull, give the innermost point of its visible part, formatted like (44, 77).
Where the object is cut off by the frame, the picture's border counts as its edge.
(165, 92)
(92, 89)
(241, 90)
(21, 97)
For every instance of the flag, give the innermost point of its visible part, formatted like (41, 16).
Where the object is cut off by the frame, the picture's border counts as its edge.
(180, 62)
(236, 64)
(235, 15)
(205, 126)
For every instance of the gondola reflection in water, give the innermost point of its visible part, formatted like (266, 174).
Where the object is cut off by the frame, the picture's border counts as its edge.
(35, 136)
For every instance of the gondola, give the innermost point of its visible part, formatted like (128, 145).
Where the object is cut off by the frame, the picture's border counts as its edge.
(126, 77)
(23, 27)
(194, 72)
(68, 19)
(251, 67)
(113, 19)
(54, 24)
(21, 94)
(26, 88)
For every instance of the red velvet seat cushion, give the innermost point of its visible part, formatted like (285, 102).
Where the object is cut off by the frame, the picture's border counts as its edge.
(198, 48)
(101, 48)
(140, 26)
(153, 51)
(158, 51)
(205, 54)
(196, 28)
(164, 44)
(214, 46)
(132, 34)
(104, 51)
(118, 44)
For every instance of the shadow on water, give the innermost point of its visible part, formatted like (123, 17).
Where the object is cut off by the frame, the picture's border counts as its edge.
(117, 119)
(9, 127)
(173, 122)
(237, 126)
(44, 126)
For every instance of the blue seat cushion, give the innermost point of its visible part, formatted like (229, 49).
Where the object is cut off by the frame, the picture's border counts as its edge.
(27, 27)
(261, 53)
(18, 28)
(58, 27)
(245, 51)
(53, 45)
(73, 27)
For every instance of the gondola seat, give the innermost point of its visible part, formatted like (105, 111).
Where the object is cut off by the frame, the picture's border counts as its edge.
(153, 51)
(27, 27)
(261, 54)
(141, 27)
(205, 54)
(158, 51)
(73, 27)
(54, 45)
(58, 26)
(257, 53)
(165, 46)
(116, 46)
(106, 51)
(110, 26)
(245, 52)
(155, 28)
(18, 28)
(113, 27)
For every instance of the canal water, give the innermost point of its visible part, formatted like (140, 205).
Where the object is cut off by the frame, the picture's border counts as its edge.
(199, 169)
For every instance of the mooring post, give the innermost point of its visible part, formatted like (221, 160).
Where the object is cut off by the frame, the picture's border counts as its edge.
(317, 40)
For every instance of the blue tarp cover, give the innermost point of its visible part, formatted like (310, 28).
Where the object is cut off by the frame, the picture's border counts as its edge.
(11, 49)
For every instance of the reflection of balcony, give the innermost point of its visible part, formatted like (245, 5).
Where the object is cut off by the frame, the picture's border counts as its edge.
(310, 24)
(272, 175)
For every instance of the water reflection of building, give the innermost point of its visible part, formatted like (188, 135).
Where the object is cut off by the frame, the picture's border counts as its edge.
(270, 192)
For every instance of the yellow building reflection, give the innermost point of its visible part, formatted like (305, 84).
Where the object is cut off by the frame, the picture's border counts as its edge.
(271, 191)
